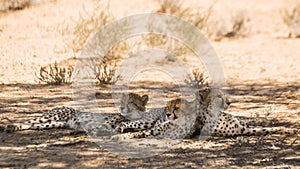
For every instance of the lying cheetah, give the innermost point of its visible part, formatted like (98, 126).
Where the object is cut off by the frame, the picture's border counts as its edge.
(205, 113)
(177, 124)
(68, 117)
(214, 121)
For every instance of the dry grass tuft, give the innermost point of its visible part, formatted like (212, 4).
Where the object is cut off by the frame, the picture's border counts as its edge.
(105, 73)
(197, 79)
(238, 28)
(235, 27)
(88, 24)
(291, 17)
(176, 7)
(12, 5)
(56, 75)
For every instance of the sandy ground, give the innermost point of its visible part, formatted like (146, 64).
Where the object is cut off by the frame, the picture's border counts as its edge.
(274, 56)
(262, 71)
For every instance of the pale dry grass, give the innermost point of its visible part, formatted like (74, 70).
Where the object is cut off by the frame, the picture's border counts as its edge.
(7, 5)
(197, 79)
(106, 73)
(291, 17)
(87, 24)
(55, 74)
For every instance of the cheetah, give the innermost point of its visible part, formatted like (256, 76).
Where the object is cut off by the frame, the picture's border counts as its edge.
(158, 120)
(68, 117)
(176, 124)
(214, 121)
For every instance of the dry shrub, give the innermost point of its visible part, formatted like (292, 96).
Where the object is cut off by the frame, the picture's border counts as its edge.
(7, 5)
(106, 71)
(13, 5)
(238, 28)
(197, 79)
(235, 27)
(56, 75)
(175, 7)
(291, 17)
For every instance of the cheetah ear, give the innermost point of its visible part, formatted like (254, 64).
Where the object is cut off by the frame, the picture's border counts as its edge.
(145, 99)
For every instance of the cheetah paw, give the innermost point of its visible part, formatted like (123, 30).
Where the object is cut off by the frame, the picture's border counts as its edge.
(119, 137)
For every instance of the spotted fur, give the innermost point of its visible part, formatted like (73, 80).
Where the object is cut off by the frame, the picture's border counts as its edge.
(214, 121)
(61, 117)
(177, 123)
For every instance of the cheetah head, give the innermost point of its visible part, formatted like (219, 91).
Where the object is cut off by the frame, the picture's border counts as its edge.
(180, 107)
(217, 100)
(131, 102)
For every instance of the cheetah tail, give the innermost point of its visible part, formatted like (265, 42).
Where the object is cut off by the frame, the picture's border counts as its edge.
(271, 130)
